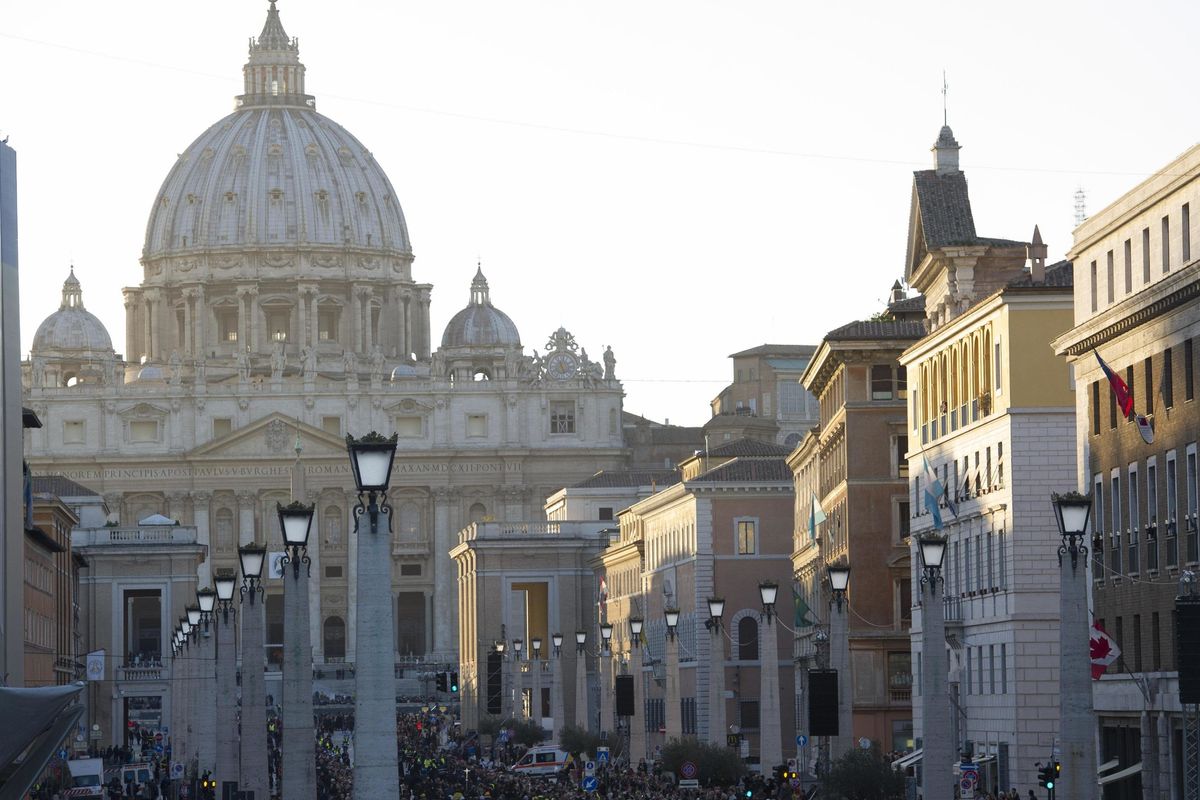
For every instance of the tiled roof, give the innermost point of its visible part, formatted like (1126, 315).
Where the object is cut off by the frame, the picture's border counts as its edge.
(752, 470)
(778, 350)
(877, 329)
(945, 208)
(1060, 275)
(606, 479)
(908, 305)
(59, 486)
(748, 447)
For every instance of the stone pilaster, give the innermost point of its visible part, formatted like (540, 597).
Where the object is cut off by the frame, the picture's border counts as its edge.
(581, 692)
(637, 723)
(1077, 724)
(227, 729)
(839, 660)
(246, 505)
(716, 689)
(673, 712)
(205, 714)
(770, 741)
(938, 756)
(254, 775)
(298, 748)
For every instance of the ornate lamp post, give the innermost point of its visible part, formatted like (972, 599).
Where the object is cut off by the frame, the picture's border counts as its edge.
(376, 769)
(770, 741)
(191, 646)
(716, 672)
(556, 690)
(581, 701)
(500, 645)
(518, 681)
(206, 685)
(637, 725)
(227, 750)
(839, 655)
(673, 713)
(254, 775)
(1076, 713)
(938, 754)
(298, 748)
(535, 665)
(606, 678)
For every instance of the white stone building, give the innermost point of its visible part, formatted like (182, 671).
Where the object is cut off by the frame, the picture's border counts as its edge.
(277, 306)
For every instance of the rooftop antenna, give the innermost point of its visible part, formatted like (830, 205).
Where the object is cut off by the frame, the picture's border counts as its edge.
(945, 87)
(1080, 206)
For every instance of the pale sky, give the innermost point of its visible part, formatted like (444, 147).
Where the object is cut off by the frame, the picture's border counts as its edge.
(680, 180)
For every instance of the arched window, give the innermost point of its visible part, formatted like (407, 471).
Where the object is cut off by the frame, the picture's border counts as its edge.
(747, 639)
(478, 512)
(409, 520)
(224, 526)
(335, 638)
(332, 523)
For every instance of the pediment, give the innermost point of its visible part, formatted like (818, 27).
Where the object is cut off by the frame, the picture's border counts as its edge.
(273, 436)
(410, 405)
(143, 411)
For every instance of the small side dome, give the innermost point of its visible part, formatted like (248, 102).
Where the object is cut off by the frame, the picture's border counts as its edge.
(72, 329)
(404, 371)
(481, 324)
(150, 372)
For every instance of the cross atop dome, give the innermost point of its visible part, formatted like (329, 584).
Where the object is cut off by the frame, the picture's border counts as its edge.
(274, 75)
(72, 293)
(479, 288)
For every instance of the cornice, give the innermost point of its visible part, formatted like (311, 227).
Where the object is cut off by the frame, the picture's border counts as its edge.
(1140, 309)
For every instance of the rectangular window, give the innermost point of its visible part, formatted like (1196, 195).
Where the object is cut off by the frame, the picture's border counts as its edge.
(1167, 383)
(902, 382)
(1166, 244)
(991, 570)
(410, 570)
(606, 513)
(999, 366)
(1172, 512)
(1129, 382)
(1119, 637)
(1151, 514)
(968, 586)
(746, 535)
(988, 466)
(1137, 642)
(1003, 668)
(143, 430)
(1155, 642)
(1095, 288)
(1185, 232)
(969, 665)
(333, 571)
(991, 669)
(1112, 410)
(1189, 370)
(1193, 538)
(901, 460)
(74, 431)
(1112, 283)
(903, 510)
(562, 418)
(332, 425)
(1128, 266)
(1095, 408)
(1115, 516)
(1000, 465)
(1002, 559)
(1098, 527)
(409, 427)
(222, 426)
(1145, 255)
(1148, 368)
(1131, 543)
(979, 573)
(477, 425)
(748, 710)
(881, 382)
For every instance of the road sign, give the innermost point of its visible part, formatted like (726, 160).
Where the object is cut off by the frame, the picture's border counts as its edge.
(158, 737)
(602, 755)
(795, 782)
(864, 743)
(688, 770)
(689, 783)
(176, 769)
(95, 733)
(802, 741)
(591, 783)
(589, 768)
(63, 753)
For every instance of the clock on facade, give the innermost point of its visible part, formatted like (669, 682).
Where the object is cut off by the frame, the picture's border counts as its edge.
(562, 366)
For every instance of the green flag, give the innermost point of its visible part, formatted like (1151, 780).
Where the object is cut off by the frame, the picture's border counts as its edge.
(800, 619)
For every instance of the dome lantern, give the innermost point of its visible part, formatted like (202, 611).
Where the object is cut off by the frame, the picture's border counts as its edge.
(273, 75)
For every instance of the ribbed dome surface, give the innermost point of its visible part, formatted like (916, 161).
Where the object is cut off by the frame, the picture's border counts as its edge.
(275, 176)
(72, 328)
(480, 324)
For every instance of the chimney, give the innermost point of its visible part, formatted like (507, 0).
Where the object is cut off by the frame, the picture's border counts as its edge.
(897, 292)
(945, 152)
(1035, 251)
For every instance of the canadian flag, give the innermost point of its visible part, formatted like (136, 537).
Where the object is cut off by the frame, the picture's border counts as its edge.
(1104, 651)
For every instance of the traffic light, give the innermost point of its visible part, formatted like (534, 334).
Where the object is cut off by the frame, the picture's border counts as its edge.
(1046, 775)
(454, 682)
(441, 681)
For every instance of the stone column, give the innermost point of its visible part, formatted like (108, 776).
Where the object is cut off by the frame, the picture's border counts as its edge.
(376, 774)
(206, 697)
(146, 330)
(425, 344)
(315, 317)
(770, 743)
(839, 660)
(351, 583)
(673, 713)
(243, 295)
(246, 502)
(188, 347)
(368, 333)
(516, 711)
(606, 690)
(557, 712)
(254, 775)
(227, 729)
(255, 320)
(716, 688)
(298, 747)
(1077, 723)
(637, 723)
(406, 342)
(200, 340)
(938, 757)
(200, 508)
(302, 317)
(536, 709)
(445, 588)
(355, 309)
(581, 692)
(317, 654)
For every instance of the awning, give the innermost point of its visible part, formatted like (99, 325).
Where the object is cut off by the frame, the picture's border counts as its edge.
(1120, 774)
(908, 759)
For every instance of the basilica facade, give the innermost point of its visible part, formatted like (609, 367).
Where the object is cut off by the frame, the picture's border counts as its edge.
(278, 311)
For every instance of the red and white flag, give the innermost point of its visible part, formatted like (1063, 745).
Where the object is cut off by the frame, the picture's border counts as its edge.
(1104, 651)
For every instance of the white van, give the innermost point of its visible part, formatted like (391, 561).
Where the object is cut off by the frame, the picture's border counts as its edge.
(85, 777)
(545, 760)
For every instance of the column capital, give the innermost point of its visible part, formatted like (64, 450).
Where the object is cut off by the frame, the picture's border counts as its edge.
(246, 499)
(201, 496)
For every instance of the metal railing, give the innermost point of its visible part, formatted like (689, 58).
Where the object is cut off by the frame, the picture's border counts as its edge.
(143, 535)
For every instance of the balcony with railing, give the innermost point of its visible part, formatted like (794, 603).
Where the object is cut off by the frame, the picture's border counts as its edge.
(156, 535)
(534, 529)
(143, 671)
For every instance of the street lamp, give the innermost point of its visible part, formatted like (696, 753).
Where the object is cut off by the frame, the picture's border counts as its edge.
(635, 628)
(581, 703)
(1076, 710)
(557, 711)
(839, 580)
(295, 520)
(253, 755)
(537, 647)
(770, 742)
(673, 711)
(227, 753)
(672, 615)
(376, 767)
(938, 748)
(207, 599)
(767, 591)
(716, 671)
(580, 641)
(225, 579)
(556, 639)
(193, 617)
(839, 657)
(637, 726)
(606, 630)
(1072, 510)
